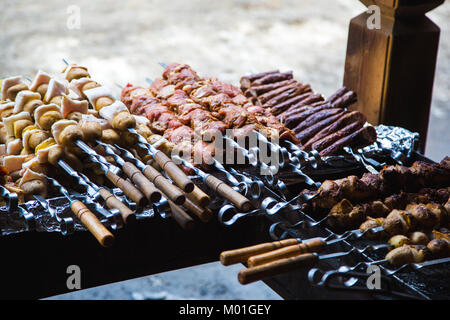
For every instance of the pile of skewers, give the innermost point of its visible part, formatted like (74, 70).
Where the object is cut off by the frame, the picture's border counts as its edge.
(406, 208)
(324, 125)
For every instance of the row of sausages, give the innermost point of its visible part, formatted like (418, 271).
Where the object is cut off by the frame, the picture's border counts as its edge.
(324, 125)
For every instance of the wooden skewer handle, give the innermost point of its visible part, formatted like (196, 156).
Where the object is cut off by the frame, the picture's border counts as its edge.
(224, 190)
(147, 187)
(199, 197)
(287, 252)
(271, 269)
(98, 230)
(171, 191)
(182, 218)
(241, 255)
(203, 213)
(127, 187)
(112, 202)
(174, 172)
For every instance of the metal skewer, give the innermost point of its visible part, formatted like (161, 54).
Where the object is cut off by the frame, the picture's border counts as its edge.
(94, 192)
(267, 270)
(271, 251)
(12, 204)
(146, 186)
(171, 169)
(90, 221)
(220, 187)
(111, 172)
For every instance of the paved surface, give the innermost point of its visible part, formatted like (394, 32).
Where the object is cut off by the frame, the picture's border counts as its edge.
(123, 43)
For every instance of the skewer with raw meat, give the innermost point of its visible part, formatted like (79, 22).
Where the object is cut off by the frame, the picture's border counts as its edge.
(225, 101)
(139, 100)
(120, 118)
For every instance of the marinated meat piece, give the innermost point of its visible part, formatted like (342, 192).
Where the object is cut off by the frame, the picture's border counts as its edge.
(233, 116)
(178, 98)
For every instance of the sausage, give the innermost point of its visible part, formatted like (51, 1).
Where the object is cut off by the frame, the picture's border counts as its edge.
(329, 140)
(344, 101)
(276, 92)
(273, 77)
(345, 120)
(361, 137)
(311, 103)
(316, 117)
(301, 107)
(302, 99)
(246, 81)
(257, 91)
(339, 93)
(287, 94)
(308, 133)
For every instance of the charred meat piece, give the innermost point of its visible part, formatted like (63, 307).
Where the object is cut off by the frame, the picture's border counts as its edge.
(408, 254)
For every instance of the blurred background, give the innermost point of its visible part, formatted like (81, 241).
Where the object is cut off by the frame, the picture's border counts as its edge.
(123, 41)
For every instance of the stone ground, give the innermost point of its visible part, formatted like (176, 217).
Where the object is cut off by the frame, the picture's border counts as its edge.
(123, 43)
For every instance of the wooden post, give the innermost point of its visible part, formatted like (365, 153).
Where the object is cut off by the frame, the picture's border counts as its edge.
(391, 68)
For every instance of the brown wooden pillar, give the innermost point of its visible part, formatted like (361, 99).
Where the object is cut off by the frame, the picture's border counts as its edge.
(391, 68)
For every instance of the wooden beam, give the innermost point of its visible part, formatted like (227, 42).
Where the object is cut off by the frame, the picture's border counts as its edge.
(392, 67)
